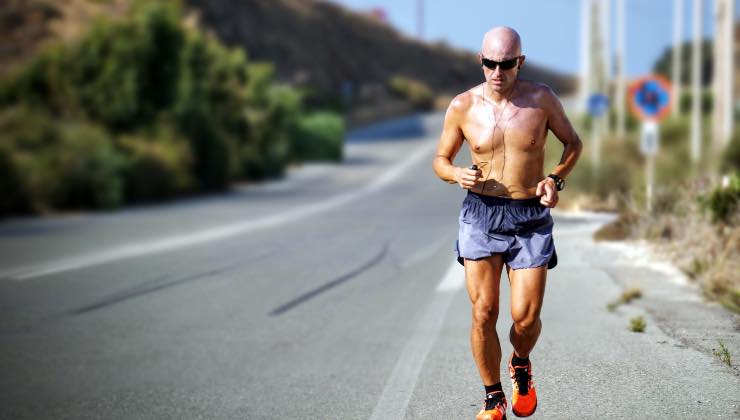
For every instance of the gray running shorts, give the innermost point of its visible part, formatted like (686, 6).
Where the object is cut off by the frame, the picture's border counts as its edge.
(520, 230)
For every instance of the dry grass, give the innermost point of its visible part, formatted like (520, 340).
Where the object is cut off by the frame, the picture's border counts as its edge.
(630, 294)
(637, 324)
(626, 297)
(618, 230)
(708, 253)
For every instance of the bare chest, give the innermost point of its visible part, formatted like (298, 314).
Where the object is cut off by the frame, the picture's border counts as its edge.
(521, 128)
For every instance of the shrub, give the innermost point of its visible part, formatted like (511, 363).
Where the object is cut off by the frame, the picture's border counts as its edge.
(123, 73)
(87, 168)
(59, 164)
(126, 73)
(209, 107)
(686, 101)
(186, 114)
(41, 83)
(675, 131)
(271, 111)
(731, 156)
(24, 135)
(319, 136)
(722, 202)
(416, 92)
(119, 74)
(16, 198)
(156, 166)
(724, 292)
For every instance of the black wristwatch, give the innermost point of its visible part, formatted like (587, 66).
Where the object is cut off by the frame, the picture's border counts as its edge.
(559, 182)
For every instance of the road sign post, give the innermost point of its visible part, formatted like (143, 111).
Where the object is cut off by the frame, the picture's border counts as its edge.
(649, 143)
(598, 105)
(650, 101)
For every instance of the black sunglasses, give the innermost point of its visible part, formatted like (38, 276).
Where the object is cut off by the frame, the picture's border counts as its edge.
(504, 65)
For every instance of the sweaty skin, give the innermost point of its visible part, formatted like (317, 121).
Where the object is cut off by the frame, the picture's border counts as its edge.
(505, 122)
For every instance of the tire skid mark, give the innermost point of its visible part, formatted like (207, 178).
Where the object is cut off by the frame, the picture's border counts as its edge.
(330, 284)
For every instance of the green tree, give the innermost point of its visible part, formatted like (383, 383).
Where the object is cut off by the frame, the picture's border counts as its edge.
(142, 108)
(664, 65)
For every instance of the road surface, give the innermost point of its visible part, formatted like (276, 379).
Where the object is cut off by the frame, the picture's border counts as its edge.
(332, 294)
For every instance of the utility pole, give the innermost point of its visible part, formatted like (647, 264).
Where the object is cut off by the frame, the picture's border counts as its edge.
(585, 86)
(619, 58)
(606, 48)
(599, 82)
(420, 19)
(696, 83)
(723, 73)
(677, 52)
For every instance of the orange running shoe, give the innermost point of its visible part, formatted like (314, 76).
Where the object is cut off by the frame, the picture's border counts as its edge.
(524, 396)
(494, 407)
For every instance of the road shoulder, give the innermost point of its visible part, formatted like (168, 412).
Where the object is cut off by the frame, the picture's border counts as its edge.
(671, 299)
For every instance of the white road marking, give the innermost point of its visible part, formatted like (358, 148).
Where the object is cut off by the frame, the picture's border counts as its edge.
(219, 232)
(397, 392)
(453, 279)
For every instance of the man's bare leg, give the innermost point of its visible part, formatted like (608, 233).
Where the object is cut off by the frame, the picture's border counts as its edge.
(482, 280)
(527, 294)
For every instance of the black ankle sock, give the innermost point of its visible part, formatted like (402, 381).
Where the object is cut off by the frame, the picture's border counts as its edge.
(493, 388)
(516, 361)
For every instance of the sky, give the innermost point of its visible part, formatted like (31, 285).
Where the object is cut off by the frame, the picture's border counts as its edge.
(550, 29)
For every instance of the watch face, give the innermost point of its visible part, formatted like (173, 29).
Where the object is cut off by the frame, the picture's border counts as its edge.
(559, 182)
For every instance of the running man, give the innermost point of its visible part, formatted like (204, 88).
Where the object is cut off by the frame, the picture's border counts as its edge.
(505, 218)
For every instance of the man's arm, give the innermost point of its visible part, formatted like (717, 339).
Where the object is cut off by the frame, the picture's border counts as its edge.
(558, 123)
(450, 143)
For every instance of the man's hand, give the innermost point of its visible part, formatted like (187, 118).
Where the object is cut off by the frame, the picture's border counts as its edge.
(546, 189)
(467, 178)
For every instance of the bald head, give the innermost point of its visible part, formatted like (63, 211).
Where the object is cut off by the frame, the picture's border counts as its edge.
(501, 43)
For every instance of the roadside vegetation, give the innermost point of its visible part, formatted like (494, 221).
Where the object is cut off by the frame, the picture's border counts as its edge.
(695, 216)
(414, 91)
(145, 108)
(722, 353)
(637, 324)
(626, 297)
(696, 225)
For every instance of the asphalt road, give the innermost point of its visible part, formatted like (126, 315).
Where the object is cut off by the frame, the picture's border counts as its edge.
(332, 294)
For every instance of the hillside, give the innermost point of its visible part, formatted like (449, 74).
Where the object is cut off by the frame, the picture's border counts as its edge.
(27, 25)
(324, 44)
(344, 56)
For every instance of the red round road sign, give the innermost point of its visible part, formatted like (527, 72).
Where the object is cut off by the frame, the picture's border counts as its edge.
(651, 98)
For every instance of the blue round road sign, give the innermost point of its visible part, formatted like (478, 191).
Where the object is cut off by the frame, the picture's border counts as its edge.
(598, 104)
(650, 98)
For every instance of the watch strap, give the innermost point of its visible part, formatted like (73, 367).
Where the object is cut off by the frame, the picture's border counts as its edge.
(559, 182)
